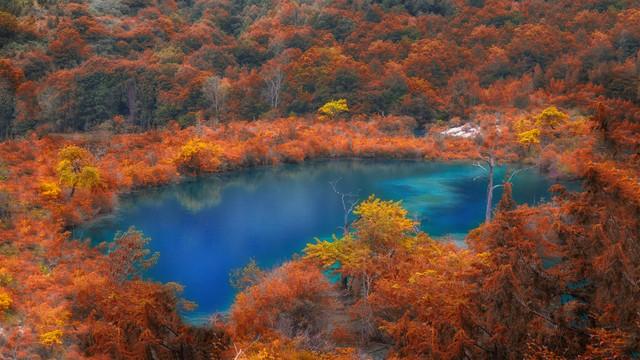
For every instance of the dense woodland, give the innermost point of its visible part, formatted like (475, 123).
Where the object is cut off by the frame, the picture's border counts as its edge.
(102, 97)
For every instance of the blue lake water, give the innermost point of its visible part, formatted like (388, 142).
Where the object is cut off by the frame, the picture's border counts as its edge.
(205, 228)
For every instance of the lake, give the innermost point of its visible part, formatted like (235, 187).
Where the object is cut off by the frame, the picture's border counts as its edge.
(207, 227)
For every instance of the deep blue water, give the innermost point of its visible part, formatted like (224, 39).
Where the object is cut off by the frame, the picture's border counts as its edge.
(205, 228)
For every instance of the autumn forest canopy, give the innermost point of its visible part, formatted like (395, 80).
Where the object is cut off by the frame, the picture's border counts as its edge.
(100, 98)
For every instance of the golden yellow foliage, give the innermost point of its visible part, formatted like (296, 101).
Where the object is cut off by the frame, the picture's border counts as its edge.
(74, 169)
(551, 117)
(346, 251)
(532, 131)
(380, 226)
(382, 222)
(530, 137)
(50, 189)
(523, 124)
(50, 338)
(5, 300)
(197, 156)
(334, 108)
(52, 321)
(89, 177)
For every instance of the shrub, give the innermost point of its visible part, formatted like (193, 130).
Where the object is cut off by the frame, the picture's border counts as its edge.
(334, 108)
(198, 156)
(289, 301)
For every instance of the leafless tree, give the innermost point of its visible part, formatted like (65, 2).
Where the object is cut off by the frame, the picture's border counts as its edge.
(130, 89)
(349, 202)
(490, 138)
(489, 169)
(274, 79)
(215, 90)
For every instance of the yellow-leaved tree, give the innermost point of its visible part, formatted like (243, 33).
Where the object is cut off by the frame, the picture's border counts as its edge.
(75, 169)
(529, 138)
(380, 227)
(550, 118)
(198, 156)
(334, 108)
(543, 126)
(361, 257)
(381, 223)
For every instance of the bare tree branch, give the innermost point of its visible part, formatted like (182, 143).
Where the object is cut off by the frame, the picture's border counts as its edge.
(349, 202)
(239, 352)
(215, 90)
(517, 171)
(477, 164)
(274, 80)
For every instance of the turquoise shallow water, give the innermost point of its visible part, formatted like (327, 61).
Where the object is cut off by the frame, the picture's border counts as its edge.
(205, 228)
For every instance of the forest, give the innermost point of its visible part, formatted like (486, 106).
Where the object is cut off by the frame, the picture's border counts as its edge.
(103, 98)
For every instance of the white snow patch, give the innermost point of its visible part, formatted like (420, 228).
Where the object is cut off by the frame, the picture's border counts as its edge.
(464, 131)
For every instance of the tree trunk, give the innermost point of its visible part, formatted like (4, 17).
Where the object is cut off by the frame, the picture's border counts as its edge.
(73, 191)
(131, 100)
(487, 214)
